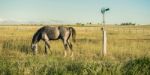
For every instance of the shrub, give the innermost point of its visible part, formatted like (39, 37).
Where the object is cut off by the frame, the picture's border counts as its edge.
(139, 66)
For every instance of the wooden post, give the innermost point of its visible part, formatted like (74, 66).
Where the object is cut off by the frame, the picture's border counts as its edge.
(104, 42)
(104, 38)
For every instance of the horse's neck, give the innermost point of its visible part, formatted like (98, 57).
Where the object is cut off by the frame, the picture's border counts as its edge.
(36, 38)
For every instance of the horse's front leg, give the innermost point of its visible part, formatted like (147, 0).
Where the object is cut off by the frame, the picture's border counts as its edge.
(46, 40)
(46, 52)
(47, 45)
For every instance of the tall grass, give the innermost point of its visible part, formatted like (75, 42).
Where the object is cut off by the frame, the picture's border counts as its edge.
(128, 52)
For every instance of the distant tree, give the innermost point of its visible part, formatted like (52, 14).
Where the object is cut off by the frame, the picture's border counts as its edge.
(79, 24)
(128, 23)
(89, 23)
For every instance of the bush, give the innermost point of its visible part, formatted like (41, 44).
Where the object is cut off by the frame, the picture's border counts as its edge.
(139, 66)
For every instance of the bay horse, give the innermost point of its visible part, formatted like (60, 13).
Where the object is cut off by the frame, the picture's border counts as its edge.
(47, 33)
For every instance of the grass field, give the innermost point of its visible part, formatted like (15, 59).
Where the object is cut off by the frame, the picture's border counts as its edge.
(128, 52)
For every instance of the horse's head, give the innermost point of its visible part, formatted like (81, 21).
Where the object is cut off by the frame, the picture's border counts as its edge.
(34, 48)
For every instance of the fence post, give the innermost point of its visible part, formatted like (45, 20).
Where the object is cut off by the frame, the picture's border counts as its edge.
(104, 42)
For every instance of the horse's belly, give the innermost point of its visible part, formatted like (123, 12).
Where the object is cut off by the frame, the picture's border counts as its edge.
(54, 35)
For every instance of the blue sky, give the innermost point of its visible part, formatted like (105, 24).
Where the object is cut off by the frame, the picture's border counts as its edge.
(73, 11)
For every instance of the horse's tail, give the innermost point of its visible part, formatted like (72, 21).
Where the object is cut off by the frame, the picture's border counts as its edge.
(73, 33)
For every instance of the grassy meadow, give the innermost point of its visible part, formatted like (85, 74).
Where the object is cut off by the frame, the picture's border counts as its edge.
(128, 52)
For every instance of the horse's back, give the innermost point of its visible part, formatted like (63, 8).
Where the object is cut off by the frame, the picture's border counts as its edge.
(56, 32)
(52, 32)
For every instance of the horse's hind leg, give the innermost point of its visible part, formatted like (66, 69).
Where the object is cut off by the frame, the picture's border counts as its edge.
(66, 47)
(70, 46)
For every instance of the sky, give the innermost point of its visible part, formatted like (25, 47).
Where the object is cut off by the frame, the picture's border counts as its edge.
(74, 11)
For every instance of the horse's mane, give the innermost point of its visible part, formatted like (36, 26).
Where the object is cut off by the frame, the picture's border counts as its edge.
(37, 36)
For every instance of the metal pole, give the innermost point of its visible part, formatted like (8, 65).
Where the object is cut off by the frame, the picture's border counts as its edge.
(103, 19)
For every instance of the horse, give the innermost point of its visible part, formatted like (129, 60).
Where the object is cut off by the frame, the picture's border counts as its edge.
(47, 33)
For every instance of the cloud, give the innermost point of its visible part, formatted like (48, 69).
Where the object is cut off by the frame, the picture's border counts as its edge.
(18, 21)
(1, 20)
(9, 21)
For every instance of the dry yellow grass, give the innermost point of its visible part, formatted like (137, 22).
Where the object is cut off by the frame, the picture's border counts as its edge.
(124, 43)
(122, 40)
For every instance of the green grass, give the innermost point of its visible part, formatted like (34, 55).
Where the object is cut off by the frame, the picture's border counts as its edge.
(128, 52)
